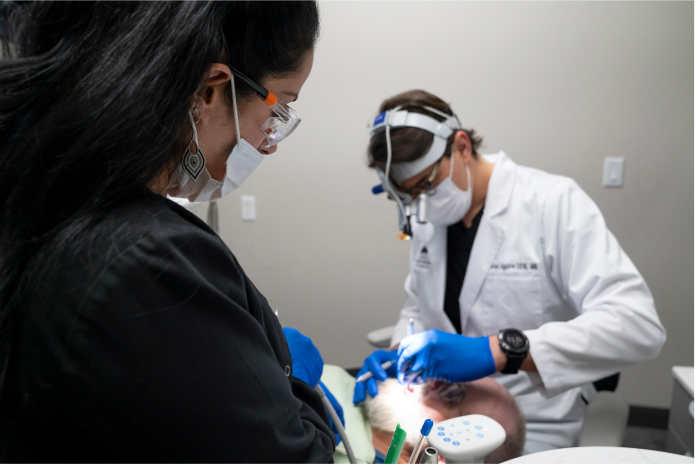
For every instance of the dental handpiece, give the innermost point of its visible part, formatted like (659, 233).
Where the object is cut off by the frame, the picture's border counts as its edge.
(387, 364)
(424, 432)
(370, 374)
(411, 331)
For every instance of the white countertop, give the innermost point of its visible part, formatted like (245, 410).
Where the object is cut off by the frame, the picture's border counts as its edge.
(684, 376)
(601, 454)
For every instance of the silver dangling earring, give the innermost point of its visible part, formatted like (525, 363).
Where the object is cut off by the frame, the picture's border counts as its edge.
(193, 163)
(195, 112)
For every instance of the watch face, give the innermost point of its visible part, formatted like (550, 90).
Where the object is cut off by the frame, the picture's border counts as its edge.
(514, 340)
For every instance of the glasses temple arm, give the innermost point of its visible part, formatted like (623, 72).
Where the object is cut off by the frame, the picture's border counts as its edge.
(260, 90)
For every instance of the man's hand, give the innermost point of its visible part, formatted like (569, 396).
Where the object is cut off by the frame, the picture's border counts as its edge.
(437, 355)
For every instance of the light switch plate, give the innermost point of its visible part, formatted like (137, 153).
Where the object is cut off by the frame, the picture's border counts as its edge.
(248, 208)
(613, 169)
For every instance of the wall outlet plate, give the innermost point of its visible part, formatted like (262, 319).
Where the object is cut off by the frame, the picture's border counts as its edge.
(248, 208)
(613, 169)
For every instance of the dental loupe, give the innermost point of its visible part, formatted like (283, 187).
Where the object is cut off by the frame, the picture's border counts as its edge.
(442, 130)
(407, 206)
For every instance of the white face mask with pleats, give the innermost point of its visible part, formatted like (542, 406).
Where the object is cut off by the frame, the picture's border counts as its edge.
(449, 204)
(195, 182)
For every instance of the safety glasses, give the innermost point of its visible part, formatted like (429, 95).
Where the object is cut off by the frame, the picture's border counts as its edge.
(277, 128)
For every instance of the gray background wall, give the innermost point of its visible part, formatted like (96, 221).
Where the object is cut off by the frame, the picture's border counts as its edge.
(558, 86)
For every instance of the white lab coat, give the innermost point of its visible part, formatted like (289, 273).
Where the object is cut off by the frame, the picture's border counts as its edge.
(543, 261)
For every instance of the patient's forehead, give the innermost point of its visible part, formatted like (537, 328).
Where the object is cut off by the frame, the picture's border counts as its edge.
(425, 398)
(483, 396)
(396, 405)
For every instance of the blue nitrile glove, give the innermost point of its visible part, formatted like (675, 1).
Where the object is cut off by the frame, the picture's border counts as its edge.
(437, 355)
(307, 364)
(373, 363)
(338, 410)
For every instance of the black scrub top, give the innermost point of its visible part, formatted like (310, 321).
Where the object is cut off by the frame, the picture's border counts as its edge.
(459, 243)
(151, 344)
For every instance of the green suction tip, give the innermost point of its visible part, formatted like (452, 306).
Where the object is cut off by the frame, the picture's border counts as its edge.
(396, 445)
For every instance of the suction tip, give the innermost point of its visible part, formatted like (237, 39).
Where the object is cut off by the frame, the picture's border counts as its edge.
(426, 427)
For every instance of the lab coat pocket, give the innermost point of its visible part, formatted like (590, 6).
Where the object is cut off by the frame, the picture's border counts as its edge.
(512, 301)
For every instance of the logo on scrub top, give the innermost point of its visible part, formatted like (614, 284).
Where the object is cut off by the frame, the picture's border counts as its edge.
(423, 260)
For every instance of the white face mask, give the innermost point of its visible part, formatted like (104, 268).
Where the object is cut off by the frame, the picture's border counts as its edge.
(242, 161)
(449, 204)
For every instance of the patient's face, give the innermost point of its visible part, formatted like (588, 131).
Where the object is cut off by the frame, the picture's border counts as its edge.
(439, 401)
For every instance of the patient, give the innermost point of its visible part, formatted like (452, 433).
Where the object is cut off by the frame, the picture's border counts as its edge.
(410, 406)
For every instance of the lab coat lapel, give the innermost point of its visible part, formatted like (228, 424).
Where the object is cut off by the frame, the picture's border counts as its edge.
(490, 232)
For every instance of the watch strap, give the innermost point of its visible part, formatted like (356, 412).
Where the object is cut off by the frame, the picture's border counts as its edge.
(514, 361)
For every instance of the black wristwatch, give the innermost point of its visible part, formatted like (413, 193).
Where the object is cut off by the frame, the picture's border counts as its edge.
(515, 346)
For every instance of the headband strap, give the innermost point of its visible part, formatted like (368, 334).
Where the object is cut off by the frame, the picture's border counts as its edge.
(440, 129)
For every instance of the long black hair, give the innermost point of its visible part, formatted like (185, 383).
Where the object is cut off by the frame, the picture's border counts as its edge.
(94, 100)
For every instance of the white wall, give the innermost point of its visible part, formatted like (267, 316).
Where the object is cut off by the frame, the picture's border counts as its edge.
(558, 86)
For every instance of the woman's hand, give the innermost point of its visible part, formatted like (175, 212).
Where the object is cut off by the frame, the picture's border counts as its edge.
(307, 363)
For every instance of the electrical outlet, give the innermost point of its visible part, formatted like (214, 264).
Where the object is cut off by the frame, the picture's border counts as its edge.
(613, 168)
(248, 208)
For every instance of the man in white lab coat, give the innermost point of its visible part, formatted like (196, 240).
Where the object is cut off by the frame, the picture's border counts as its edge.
(513, 275)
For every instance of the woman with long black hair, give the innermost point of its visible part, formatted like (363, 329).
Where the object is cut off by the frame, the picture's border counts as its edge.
(128, 330)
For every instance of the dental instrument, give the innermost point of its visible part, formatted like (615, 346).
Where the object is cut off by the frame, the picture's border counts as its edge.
(429, 456)
(425, 431)
(467, 438)
(336, 422)
(411, 331)
(369, 375)
(396, 445)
